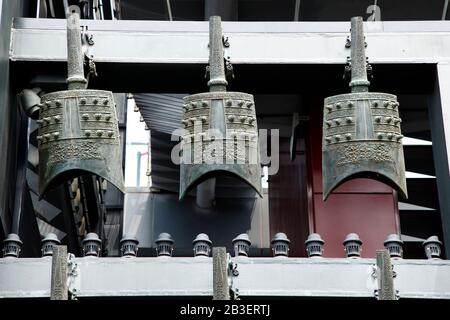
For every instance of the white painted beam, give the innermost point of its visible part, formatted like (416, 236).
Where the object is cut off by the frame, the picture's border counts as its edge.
(251, 42)
(283, 277)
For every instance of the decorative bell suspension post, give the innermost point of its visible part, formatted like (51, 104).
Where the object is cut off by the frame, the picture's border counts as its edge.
(361, 129)
(221, 130)
(78, 129)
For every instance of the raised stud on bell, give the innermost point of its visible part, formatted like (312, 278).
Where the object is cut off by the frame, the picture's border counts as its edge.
(380, 136)
(87, 133)
(337, 121)
(95, 101)
(349, 120)
(375, 104)
(204, 104)
(329, 108)
(348, 136)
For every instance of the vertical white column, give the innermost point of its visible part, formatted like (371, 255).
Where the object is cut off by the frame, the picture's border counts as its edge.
(439, 114)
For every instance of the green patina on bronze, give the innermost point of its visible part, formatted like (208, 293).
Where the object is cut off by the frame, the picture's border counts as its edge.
(361, 129)
(221, 130)
(78, 127)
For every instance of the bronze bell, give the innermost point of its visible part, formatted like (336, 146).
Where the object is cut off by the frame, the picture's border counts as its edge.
(221, 133)
(361, 129)
(78, 127)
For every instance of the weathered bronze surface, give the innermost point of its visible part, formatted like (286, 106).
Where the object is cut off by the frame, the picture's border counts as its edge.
(78, 128)
(221, 130)
(361, 129)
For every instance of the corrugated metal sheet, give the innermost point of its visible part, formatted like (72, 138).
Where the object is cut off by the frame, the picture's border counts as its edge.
(161, 112)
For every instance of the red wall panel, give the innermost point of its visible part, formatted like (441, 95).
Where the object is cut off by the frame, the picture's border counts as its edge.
(371, 216)
(288, 209)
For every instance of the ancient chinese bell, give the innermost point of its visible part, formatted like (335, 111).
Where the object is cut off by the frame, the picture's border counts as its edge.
(221, 133)
(78, 129)
(361, 129)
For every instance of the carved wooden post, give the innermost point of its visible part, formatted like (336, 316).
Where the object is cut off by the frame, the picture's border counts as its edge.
(221, 290)
(386, 289)
(59, 289)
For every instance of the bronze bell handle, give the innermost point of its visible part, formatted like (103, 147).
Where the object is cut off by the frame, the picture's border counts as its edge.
(217, 81)
(75, 71)
(359, 82)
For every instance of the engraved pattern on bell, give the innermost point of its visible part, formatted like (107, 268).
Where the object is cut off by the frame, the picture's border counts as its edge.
(75, 134)
(236, 146)
(372, 141)
(236, 150)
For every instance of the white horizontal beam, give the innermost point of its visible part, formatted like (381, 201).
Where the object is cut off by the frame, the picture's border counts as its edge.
(251, 42)
(303, 277)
